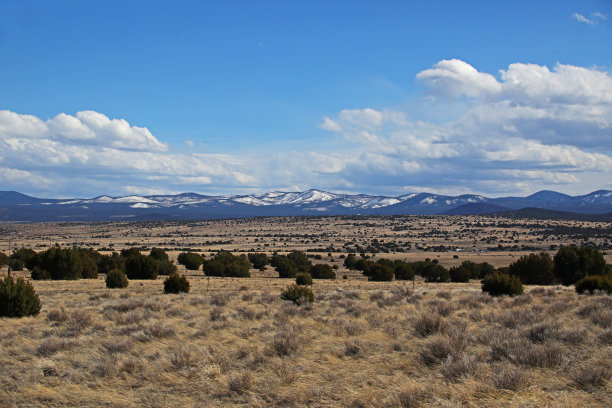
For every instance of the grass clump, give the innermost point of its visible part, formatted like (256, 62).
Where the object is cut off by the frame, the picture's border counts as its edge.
(176, 283)
(497, 284)
(18, 298)
(297, 294)
(116, 279)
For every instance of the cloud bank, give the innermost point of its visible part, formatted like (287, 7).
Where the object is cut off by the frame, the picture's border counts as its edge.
(526, 128)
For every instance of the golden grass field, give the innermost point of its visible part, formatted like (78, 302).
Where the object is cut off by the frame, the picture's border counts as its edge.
(233, 342)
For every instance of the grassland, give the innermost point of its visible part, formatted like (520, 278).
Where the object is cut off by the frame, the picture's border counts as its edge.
(233, 342)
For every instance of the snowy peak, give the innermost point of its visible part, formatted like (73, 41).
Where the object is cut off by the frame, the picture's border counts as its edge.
(15, 206)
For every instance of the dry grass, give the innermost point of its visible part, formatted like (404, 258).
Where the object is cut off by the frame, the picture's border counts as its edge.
(233, 342)
(239, 345)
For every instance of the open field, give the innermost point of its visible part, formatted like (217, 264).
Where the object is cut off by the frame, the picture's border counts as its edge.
(498, 241)
(232, 341)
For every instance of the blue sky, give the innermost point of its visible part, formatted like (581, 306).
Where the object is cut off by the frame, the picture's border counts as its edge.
(384, 97)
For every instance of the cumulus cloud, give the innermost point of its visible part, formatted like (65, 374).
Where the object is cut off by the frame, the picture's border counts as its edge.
(90, 149)
(547, 126)
(525, 129)
(455, 78)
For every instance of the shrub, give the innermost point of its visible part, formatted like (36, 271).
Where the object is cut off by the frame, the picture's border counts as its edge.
(534, 269)
(3, 259)
(300, 260)
(158, 254)
(432, 272)
(176, 283)
(303, 279)
(572, 264)
(227, 264)
(322, 271)
(403, 270)
(458, 366)
(116, 279)
(60, 263)
(498, 284)
(18, 298)
(284, 266)
(141, 267)
(297, 294)
(379, 272)
(259, 260)
(428, 324)
(190, 260)
(21, 258)
(285, 342)
(106, 263)
(509, 378)
(130, 252)
(40, 274)
(459, 274)
(435, 350)
(592, 283)
(166, 268)
(589, 377)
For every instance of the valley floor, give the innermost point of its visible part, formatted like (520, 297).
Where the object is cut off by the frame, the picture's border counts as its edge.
(233, 342)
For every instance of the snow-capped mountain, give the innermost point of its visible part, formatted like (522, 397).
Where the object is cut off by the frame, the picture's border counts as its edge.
(19, 207)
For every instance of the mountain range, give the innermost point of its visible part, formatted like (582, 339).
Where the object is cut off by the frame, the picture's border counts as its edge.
(15, 206)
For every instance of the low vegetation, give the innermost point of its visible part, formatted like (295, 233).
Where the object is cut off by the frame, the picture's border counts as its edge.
(18, 298)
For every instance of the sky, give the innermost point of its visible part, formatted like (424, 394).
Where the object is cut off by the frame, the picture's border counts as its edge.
(240, 97)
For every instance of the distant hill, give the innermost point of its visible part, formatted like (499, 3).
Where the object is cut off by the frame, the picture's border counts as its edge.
(15, 206)
(475, 209)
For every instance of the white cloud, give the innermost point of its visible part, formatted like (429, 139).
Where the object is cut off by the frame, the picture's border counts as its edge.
(530, 128)
(550, 126)
(582, 19)
(590, 21)
(330, 125)
(455, 78)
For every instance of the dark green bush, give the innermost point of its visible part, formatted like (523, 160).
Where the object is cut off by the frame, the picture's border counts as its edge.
(16, 264)
(300, 260)
(534, 269)
(22, 258)
(303, 278)
(459, 274)
(259, 260)
(403, 270)
(141, 267)
(297, 294)
(349, 261)
(158, 254)
(107, 263)
(379, 272)
(62, 264)
(498, 284)
(284, 266)
(166, 268)
(191, 260)
(433, 272)
(322, 271)
(572, 264)
(18, 298)
(3, 259)
(116, 279)
(594, 282)
(228, 265)
(176, 283)
(40, 274)
(130, 252)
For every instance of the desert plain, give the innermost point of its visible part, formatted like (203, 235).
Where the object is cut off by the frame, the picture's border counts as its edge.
(234, 342)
